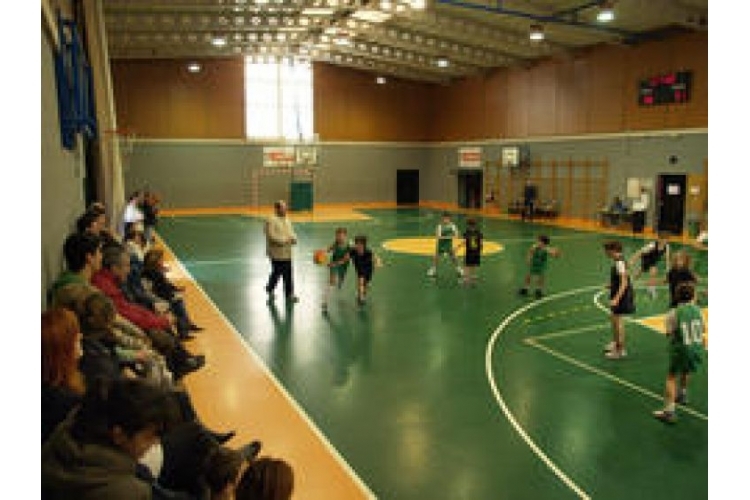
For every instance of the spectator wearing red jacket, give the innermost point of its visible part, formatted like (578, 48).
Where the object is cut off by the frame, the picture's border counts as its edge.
(110, 279)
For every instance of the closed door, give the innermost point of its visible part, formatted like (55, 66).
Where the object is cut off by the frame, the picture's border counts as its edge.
(407, 187)
(670, 202)
(470, 189)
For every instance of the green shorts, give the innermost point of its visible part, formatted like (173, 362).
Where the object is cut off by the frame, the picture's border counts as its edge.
(538, 270)
(445, 246)
(339, 271)
(684, 359)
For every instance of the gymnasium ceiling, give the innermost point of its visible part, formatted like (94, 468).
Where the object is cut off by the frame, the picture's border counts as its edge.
(410, 39)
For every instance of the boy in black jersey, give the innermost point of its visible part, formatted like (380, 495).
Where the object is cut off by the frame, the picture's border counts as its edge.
(363, 260)
(473, 241)
(621, 299)
(680, 271)
(650, 256)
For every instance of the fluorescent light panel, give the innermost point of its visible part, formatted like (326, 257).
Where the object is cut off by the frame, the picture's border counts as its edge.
(317, 11)
(372, 16)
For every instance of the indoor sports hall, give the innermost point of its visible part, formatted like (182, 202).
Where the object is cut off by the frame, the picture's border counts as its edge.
(394, 249)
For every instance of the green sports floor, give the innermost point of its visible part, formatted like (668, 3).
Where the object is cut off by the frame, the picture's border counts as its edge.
(437, 391)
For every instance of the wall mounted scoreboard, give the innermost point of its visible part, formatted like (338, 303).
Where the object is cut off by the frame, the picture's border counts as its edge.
(669, 88)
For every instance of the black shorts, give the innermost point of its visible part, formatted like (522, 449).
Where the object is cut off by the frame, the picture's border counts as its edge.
(472, 259)
(625, 306)
(366, 275)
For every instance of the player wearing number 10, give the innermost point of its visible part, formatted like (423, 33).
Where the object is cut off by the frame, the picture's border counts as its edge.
(685, 328)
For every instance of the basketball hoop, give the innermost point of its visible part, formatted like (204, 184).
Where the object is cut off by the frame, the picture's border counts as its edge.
(125, 140)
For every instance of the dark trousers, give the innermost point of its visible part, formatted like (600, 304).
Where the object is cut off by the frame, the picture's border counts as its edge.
(639, 221)
(281, 269)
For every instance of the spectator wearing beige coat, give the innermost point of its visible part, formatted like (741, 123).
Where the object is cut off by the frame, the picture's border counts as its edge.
(280, 237)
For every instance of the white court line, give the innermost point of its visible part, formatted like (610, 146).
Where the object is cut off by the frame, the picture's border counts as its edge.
(323, 439)
(501, 402)
(568, 332)
(580, 364)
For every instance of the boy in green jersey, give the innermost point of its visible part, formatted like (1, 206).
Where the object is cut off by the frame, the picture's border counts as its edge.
(445, 234)
(337, 264)
(537, 259)
(685, 329)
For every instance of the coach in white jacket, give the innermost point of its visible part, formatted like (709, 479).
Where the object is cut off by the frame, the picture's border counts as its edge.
(280, 237)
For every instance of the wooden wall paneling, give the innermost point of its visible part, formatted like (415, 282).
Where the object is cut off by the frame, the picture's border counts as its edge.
(541, 102)
(605, 96)
(518, 95)
(496, 103)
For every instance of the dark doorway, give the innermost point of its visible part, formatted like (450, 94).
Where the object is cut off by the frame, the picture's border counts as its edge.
(407, 187)
(470, 189)
(670, 202)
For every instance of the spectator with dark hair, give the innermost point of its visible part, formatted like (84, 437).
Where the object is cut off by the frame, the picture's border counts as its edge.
(94, 221)
(109, 279)
(83, 258)
(136, 246)
(62, 382)
(266, 479)
(94, 454)
(150, 209)
(154, 278)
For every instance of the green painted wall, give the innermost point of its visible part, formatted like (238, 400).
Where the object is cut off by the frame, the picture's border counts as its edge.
(206, 173)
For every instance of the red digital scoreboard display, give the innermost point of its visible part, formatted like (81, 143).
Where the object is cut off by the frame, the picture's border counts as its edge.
(669, 88)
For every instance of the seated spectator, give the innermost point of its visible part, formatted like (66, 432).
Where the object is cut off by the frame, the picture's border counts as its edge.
(109, 279)
(136, 245)
(94, 221)
(83, 258)
(155, 279)
(133, 213)
(150, 209)
(617, 206)
(266, 479)
(94, 453)
(62, 383)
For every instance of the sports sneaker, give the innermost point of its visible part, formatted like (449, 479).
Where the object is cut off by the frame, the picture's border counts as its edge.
(460, 272)
(523, 292)
(615, 354)
(538, 294)
(431, 272)
(668, 417)
(610, 346)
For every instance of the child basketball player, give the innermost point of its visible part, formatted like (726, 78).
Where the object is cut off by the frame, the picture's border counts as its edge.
(445, 233)
(650, 255)
(473, 240)
(685, 328)
(621, 299)
(680, 271)
(363, 260)
(338, 263)
(537, 259)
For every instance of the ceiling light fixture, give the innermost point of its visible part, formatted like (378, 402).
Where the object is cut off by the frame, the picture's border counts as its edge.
(218, 41)
(606, 12)
(194, 67)
(536, 32)
(442, 62)
(380, 80)
(317, 11)
(372, 16)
